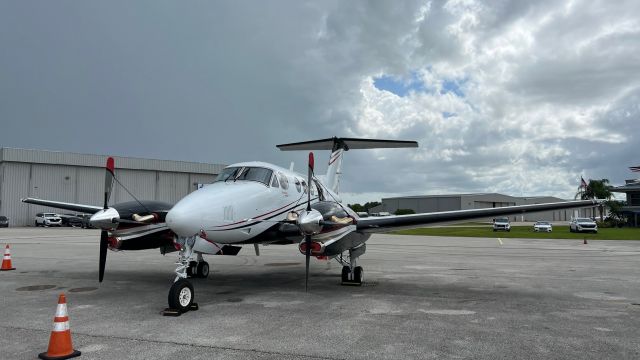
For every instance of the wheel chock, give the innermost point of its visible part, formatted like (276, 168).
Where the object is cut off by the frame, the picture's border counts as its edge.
(177, 312)
(351, 283)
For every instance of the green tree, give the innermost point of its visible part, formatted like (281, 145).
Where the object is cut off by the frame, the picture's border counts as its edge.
(615, 210)
(365, 207)
(371, 204)
(596, 189)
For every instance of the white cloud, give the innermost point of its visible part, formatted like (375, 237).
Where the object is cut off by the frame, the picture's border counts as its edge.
(550, 89)
(540, 86)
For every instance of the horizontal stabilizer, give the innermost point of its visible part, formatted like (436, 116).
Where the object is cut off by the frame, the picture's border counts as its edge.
(346, 144)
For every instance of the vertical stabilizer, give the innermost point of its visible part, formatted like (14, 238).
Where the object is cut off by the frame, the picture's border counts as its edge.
(335, 168)
(338, 146)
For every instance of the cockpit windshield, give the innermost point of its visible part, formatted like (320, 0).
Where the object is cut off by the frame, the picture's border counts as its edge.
(227, 174)
(259, 174)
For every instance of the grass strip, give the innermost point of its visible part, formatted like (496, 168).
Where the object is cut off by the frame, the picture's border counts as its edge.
(525, 232)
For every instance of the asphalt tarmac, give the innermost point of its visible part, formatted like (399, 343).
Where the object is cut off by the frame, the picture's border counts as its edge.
(423, 298)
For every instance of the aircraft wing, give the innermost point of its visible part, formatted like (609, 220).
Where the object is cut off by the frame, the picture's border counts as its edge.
(399, 222)
(88, 209)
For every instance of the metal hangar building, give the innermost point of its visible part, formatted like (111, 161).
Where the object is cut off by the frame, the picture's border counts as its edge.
(79, 178)
(435, 203)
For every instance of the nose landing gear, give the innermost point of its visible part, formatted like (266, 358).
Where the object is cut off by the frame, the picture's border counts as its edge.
(181, 293)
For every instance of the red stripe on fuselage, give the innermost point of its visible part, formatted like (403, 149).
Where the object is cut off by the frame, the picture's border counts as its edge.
(259, 216)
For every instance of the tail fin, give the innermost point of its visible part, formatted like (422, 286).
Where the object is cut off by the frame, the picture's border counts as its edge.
(338, 146)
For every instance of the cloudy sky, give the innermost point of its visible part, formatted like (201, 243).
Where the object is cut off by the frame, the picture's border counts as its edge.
(516, 97)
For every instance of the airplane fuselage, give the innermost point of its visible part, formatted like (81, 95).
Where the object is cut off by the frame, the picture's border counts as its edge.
(246, 201)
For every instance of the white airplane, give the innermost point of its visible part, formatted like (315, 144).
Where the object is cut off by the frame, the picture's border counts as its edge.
(260, 203)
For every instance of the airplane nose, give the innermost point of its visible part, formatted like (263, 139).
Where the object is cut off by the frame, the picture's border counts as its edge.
(180, 221)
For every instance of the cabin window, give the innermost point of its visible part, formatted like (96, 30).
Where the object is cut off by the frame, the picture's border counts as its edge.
(304, 186)
(298, 187)
(284, 182)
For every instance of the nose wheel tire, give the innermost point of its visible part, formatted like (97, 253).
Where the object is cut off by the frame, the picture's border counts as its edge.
(181, 295)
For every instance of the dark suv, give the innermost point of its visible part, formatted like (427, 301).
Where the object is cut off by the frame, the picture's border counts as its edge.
(71, 220)
(4, 222)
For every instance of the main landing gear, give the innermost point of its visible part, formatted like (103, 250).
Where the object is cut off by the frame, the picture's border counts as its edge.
(198, 269)
(189, 264)
(352, 274)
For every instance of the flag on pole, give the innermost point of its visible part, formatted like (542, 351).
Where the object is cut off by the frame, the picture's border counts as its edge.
(634, 168)
(583, 184)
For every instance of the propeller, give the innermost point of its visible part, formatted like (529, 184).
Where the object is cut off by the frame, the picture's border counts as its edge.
(104, 234)
(307, 237)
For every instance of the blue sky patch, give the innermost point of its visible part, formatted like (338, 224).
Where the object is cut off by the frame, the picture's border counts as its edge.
(402, 86)
(453, 86)
(399, 86)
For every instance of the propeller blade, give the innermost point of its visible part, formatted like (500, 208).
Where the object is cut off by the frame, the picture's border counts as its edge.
(108, 180)
(104, 235)
(307, 238)
(307, 255)
(311, 164)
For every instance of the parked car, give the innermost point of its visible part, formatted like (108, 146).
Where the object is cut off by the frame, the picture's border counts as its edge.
(48, 219)
(542, 226)
(71, 220)
(4, 221)
(501, 224)
(583, 225)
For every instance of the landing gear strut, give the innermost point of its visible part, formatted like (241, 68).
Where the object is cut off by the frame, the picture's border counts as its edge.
(352, 274)
(181, 293)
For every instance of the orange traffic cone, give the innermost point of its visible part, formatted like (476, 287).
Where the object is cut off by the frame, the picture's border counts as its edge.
(6, 260)
(60, 346)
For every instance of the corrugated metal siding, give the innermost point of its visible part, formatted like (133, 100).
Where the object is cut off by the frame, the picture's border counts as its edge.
(448, 203)
(51, 182)
(89, 186)
(141, 183)
(172, 187)
(90, 160)
(200, 179)
(15, 185)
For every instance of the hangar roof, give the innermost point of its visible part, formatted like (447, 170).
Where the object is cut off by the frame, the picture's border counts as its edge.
(92, 160)
(630, 186)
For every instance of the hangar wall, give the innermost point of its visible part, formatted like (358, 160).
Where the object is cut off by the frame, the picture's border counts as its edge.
(436, 203)
(79, 178)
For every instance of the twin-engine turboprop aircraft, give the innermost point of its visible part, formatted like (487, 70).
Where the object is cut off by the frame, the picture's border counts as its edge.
(260, 203)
